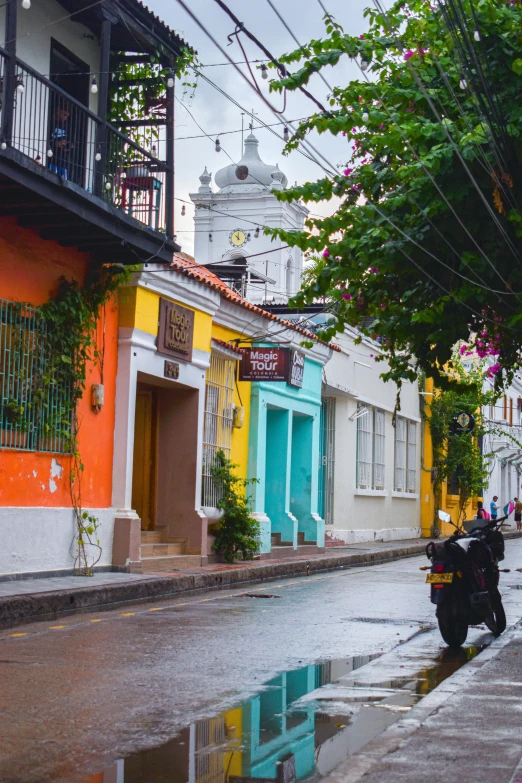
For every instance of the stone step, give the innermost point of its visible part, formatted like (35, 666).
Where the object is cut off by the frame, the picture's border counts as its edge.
(151, 565)
(158, 550)
(151, 537)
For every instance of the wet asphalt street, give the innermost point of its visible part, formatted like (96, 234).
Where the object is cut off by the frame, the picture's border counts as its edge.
(129, 690)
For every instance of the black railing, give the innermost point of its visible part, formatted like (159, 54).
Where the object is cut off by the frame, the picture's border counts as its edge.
(60, 133)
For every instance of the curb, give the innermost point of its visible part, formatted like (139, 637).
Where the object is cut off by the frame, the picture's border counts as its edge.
(44, 606)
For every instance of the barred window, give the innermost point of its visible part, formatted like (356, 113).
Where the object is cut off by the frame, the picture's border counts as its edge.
(405, 455)
(35, 412)
(217, 436)
(371, 424)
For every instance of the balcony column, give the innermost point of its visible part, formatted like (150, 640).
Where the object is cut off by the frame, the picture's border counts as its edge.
(9, 85)
(103, 104)
(169, 159)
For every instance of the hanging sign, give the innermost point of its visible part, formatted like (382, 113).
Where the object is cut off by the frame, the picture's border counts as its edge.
(296, 368)
(264, 364)
(176, 330)
(463, 422)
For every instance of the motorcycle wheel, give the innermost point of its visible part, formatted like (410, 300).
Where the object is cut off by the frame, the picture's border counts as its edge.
(496, 622)
(453, 624)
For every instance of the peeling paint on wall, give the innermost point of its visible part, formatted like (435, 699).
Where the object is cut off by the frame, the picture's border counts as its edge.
(56, 472)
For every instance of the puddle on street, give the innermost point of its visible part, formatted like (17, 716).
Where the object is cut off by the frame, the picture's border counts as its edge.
(289, 731)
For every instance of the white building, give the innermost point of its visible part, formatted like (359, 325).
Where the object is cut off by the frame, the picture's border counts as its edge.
(229, 228)
(371, 469)
(504, 419)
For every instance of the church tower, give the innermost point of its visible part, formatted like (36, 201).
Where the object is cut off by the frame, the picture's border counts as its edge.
(229, 225)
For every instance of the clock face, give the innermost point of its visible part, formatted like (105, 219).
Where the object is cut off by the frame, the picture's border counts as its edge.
(237, 237)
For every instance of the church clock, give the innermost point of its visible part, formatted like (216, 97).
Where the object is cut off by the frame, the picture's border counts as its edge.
(237, 237)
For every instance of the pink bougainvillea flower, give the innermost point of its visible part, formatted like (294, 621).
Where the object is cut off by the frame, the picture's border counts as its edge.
(326, 253)
(347, 172)
(493, 370)
(347, 297)
(408, 54)
(373, 270)
(463, 349)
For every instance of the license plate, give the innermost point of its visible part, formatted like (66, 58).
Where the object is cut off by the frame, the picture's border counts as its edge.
(439, 579)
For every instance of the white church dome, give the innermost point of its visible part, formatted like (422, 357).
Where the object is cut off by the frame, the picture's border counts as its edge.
(250, 173)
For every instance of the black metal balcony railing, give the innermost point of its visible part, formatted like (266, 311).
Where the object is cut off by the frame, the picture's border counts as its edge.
(59, 133)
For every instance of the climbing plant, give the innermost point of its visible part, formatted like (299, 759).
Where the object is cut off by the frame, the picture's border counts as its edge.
(64, 343)
(237, 535)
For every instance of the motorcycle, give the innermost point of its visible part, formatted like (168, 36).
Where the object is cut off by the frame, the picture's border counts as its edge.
(464, 580)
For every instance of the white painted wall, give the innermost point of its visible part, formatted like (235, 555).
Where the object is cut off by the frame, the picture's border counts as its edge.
(39, 24)
(352, 376)
(40, 539)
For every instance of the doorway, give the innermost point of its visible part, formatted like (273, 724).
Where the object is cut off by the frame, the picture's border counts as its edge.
(145, 456)
(67, 122)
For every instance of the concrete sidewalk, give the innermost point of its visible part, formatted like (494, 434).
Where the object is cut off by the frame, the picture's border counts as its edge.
(469, 729)
(33, 599)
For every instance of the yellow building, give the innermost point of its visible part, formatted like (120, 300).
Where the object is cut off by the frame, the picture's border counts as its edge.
(449, 502)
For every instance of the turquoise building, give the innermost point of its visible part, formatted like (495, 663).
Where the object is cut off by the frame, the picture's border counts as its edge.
(284, 451)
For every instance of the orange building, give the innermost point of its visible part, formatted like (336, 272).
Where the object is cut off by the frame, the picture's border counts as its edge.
(76, 193)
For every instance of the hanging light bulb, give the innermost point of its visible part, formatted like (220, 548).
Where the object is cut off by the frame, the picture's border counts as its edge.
(463, 84)
(154, 150)
(365, 116)
(286, 134)
(108, 186)
(248, 236)
(256, 233)
(98, 155)
(210, 238)
(26, 4)
(3, 145)
(94, 85)
(476, 35)
(170, 80)
(20, 87)
(364, 64)
(183, 210)
(264, 72)
(218, 145)
(49, 153)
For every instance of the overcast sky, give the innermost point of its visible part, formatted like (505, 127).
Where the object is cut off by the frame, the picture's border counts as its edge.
(216, 114)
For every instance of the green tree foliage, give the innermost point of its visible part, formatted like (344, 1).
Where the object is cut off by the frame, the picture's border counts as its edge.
(416, 245)
(237, 535)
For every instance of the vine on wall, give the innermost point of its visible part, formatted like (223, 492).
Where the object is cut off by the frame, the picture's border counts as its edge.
(460, 454)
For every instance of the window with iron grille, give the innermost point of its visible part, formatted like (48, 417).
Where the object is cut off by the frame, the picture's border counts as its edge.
(371, 424)
(219, 396)
(405, 455)
(327, 460)
(35, 413)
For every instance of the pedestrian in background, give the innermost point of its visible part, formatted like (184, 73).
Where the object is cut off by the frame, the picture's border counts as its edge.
(518, 513)
(481, 514)
(493, 507)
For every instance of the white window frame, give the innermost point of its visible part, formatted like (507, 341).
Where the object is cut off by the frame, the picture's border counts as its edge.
(371, 448)
(405, 472)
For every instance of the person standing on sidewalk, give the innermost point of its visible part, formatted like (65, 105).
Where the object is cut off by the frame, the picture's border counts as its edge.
(518, 513)
(493, 507)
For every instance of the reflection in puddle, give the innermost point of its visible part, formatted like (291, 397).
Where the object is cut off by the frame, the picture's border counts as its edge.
(280, 735)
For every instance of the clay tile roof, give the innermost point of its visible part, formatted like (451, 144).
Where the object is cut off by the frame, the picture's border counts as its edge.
(161, 26)
(188, 266)
(228, 346)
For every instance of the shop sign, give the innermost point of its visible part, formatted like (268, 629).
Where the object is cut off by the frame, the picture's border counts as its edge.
(176, 330)
(264, 364)
(462, 422)
(296, 368)
(171, 370)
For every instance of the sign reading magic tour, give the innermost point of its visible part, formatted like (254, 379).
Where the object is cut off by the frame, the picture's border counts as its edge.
(272, 364)
(176, 330)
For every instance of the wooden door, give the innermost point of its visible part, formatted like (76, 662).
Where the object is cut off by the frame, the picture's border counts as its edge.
(144, 461)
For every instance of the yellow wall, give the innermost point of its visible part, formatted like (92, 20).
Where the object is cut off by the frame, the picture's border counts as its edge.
(234, 758)
(239, 452)
(139, 309)
(449, 503)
